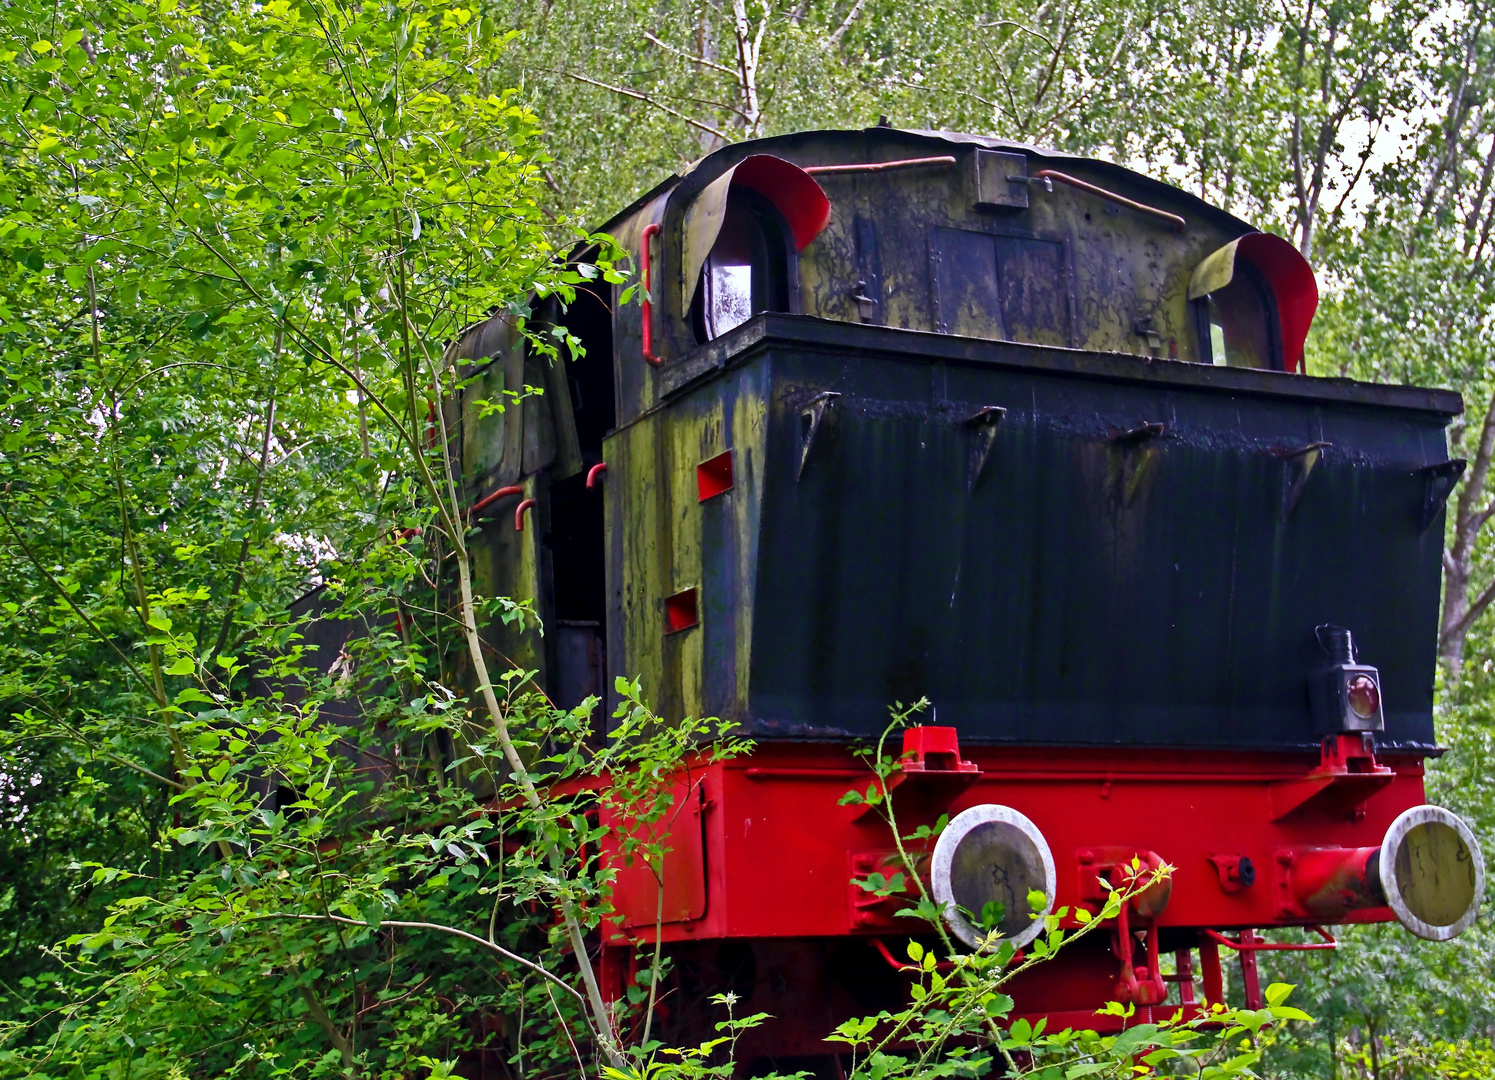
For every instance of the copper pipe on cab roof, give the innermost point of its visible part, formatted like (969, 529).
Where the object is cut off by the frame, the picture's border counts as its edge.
(879, 166)
(1109, 196)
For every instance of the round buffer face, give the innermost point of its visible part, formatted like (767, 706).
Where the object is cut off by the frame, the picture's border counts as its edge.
(1432, 872)
(986, 862)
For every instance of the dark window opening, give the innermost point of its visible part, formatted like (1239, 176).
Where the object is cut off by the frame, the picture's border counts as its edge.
(593, 391)
(576, 635)
(747, 270)
(1238, 324)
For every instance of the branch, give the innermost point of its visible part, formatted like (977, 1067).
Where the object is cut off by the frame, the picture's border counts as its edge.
(1476, 609)
(1365, 156)
(536, 968)
(688, 56)
(1018, 26)
(393, 1000)
(231, 607)
(73, 733)
(166, 367)
(747, 61)
(68, 600)
(336, 1037)
(851, 17)
(646, 99)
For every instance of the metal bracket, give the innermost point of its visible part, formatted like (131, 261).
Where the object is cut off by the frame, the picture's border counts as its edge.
(866, 910)
(1134, 436)
(1138, 456)
(1347, 775)
(1047, 182)
(1438, 482)
(1236, 871)
(866, 305)
(1144, 328)
(811, 417)
(1140, 984)
(983, 423)
(1299, 464)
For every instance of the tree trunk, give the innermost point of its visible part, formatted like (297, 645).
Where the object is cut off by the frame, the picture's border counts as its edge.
(1471, 513)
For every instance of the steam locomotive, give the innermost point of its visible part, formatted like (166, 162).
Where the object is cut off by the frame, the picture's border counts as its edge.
(913, 414)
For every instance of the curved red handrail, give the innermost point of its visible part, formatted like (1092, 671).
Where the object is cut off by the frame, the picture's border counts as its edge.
(594, 472)
(898, 965)
(650, 231)
(519, 514)
(488, 500)
(1281, 946)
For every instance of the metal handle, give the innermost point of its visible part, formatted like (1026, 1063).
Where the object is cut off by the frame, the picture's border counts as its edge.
(1255, 945)
(488, 500)
(650, 231)
(899, 965)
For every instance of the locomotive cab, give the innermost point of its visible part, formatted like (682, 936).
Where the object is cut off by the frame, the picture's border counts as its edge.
(920, 415)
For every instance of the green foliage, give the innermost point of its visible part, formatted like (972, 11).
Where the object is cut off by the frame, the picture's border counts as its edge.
(236, 241)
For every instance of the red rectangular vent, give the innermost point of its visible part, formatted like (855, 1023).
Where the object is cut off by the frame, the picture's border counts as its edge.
(714, 476)
(680, 611)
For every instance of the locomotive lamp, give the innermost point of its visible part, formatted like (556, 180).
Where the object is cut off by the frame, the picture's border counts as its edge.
(1346, 695)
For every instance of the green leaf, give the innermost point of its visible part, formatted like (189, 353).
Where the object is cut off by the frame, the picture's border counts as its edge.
(997, 1006)
(1277, 993)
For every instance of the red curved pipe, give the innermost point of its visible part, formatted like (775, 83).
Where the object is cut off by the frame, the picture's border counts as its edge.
(899, 965)
(1255, 944)
(650, 231)
(488, 500)
(519, 514)
(594, 472)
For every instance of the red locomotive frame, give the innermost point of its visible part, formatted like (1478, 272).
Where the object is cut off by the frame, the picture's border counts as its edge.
(761, 851)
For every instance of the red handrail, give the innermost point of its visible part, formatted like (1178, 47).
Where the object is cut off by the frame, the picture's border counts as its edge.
(488, 500)
(1245, 945)
(594, 472)
(519, 514)
(898, 965)
(650, 231)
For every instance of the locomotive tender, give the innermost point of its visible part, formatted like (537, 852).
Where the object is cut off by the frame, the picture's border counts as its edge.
(913, 414)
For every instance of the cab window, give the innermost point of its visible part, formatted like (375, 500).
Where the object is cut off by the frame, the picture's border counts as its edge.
(1238, 322)
(747, 269)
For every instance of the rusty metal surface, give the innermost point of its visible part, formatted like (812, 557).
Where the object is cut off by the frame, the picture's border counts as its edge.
(1089, 589)
(1039, 576)
(825, 335)
(944, 248)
